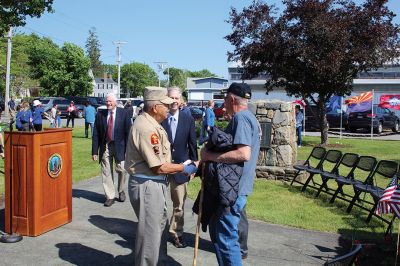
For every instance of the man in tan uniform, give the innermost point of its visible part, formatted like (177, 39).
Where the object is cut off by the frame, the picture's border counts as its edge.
(148, 161)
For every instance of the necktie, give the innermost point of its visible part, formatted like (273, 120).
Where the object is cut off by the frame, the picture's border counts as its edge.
(110, 127)
(173, 127)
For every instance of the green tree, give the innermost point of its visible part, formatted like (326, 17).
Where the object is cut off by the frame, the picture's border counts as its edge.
(204, 73)
(315, 48)
(111, 70)
(136, 76)
(20, 70)
(178, 77)
(93, 51)
(13, 13)
(60, 71)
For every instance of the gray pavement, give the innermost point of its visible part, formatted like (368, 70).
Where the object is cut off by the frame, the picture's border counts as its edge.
(105, 236)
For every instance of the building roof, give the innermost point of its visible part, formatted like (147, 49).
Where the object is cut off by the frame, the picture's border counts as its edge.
(103, 80)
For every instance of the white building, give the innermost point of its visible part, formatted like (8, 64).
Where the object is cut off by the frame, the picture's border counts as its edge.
(385, 80)
(204, 89)
(103, 86)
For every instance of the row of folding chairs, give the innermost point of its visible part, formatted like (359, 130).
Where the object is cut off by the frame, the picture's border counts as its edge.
(348, 169)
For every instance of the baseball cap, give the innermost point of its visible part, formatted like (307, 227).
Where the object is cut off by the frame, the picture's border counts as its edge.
(239, 89)
(157, 94)
(36, 103)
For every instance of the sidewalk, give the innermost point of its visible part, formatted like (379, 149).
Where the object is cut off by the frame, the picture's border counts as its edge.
(105, 236)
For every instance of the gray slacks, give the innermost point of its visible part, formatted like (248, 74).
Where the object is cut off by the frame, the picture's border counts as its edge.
(148, 199)
(107, 172)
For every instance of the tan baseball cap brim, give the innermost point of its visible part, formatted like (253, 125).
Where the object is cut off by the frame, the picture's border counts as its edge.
(167, 100)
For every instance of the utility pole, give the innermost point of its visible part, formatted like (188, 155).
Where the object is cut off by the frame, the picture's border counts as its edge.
(8, 62)
(161, 66)
(118, 43)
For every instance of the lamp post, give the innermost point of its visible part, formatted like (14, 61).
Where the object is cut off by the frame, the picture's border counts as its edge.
(161, 66)
(8, 61)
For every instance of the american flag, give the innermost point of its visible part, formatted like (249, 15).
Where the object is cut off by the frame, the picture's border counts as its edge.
(390, 200)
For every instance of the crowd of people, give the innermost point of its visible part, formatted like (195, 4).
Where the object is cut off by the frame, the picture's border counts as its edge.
(159, 149)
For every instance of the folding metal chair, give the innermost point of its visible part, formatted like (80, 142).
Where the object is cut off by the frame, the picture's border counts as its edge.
(347, 259)
(384, 168)
(347, 163)
(363, 170)
(331, 159)
(314, 160)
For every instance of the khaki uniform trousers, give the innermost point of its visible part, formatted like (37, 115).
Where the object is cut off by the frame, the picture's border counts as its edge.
(178, 197)
(107, 172)
(148, 199)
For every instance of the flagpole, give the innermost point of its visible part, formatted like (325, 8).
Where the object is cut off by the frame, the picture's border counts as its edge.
(372, 115)
(341, 115)
(397, 246)
(304, 121)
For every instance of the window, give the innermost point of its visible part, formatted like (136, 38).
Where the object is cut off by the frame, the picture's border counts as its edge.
(218, 96)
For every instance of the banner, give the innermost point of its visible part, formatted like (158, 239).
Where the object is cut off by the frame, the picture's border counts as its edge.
(302, 103)
(360, 103)
(334, 104)
(390, 101)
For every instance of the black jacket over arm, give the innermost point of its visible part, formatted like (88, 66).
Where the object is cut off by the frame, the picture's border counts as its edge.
(122, 126)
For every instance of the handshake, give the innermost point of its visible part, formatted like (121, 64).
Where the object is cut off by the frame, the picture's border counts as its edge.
(190, 167)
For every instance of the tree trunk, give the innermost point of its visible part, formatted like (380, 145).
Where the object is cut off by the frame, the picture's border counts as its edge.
(323, 123)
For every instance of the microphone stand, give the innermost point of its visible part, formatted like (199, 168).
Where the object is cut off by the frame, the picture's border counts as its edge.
(12, 237)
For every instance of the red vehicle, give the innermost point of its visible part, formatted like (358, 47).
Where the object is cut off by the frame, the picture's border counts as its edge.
(219, 110)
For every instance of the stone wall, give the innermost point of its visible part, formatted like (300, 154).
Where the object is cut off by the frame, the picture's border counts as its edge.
(276, 162)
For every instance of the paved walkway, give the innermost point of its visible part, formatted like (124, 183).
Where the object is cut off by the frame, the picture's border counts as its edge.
(105, 236)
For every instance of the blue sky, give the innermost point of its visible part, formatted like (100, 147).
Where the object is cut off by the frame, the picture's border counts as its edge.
(186, 34)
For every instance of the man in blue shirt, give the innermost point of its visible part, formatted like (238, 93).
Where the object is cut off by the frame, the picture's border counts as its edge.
(90, 115)
(37, 113)
(246, 136)
(12, 107)
(208, 121)
(299, 124)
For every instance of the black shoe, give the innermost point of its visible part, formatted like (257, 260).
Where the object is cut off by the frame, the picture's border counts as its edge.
(178, 242)
(122, 196)
(109, 202)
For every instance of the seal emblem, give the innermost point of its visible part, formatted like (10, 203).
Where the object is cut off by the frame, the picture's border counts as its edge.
(54, 165)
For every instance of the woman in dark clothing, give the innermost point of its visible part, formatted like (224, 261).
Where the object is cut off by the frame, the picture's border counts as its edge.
(37, 115)
(71, 111)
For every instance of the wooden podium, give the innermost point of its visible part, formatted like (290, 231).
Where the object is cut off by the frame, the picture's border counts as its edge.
(41, 169)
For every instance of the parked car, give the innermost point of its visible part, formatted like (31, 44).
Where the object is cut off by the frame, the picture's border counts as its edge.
(382, 118)
(333, 117)
(63, 105)
(48, 102)
(197, 112)
(219, 110)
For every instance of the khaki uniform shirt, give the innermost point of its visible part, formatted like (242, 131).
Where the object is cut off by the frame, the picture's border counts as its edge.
(147, 146)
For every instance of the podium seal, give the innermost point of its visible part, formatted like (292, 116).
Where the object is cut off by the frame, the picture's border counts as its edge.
(54, 165)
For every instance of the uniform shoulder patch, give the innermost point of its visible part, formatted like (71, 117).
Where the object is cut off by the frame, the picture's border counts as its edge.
(154, 139)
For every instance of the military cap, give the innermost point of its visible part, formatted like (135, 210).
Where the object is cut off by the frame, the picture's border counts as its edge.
(157, 94)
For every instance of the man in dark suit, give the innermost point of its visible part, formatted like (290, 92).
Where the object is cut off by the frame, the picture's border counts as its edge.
(182, 136)
(110, 135)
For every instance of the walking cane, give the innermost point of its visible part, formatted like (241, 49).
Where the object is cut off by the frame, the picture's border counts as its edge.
(196, 243)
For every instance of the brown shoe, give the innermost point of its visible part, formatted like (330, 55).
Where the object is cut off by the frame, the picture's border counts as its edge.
(109, 202)
(122, 196)
(178, 242)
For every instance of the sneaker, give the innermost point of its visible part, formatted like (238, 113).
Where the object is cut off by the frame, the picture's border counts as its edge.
(109, 202)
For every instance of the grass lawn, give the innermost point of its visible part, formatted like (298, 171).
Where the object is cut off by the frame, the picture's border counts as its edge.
(82, 165)
(278, 202)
